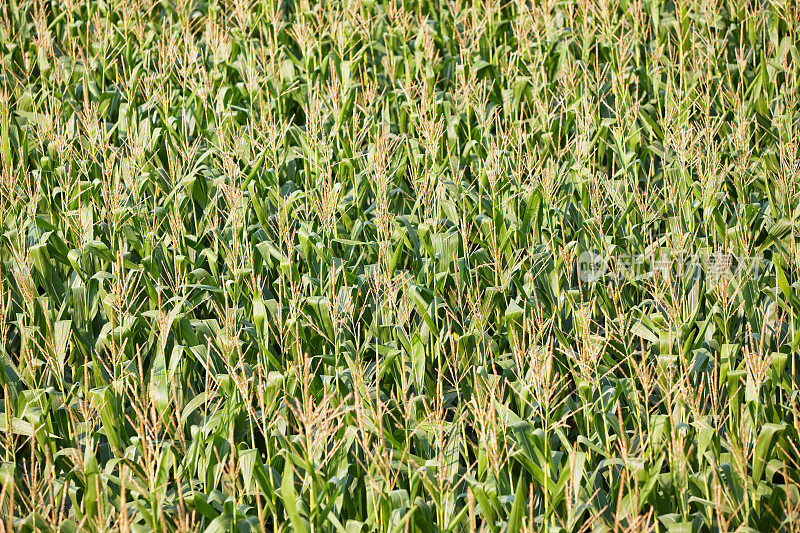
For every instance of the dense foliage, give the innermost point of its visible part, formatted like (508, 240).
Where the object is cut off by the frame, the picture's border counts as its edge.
(360, 265)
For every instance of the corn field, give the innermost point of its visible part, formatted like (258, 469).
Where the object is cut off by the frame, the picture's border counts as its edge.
(376, 265)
